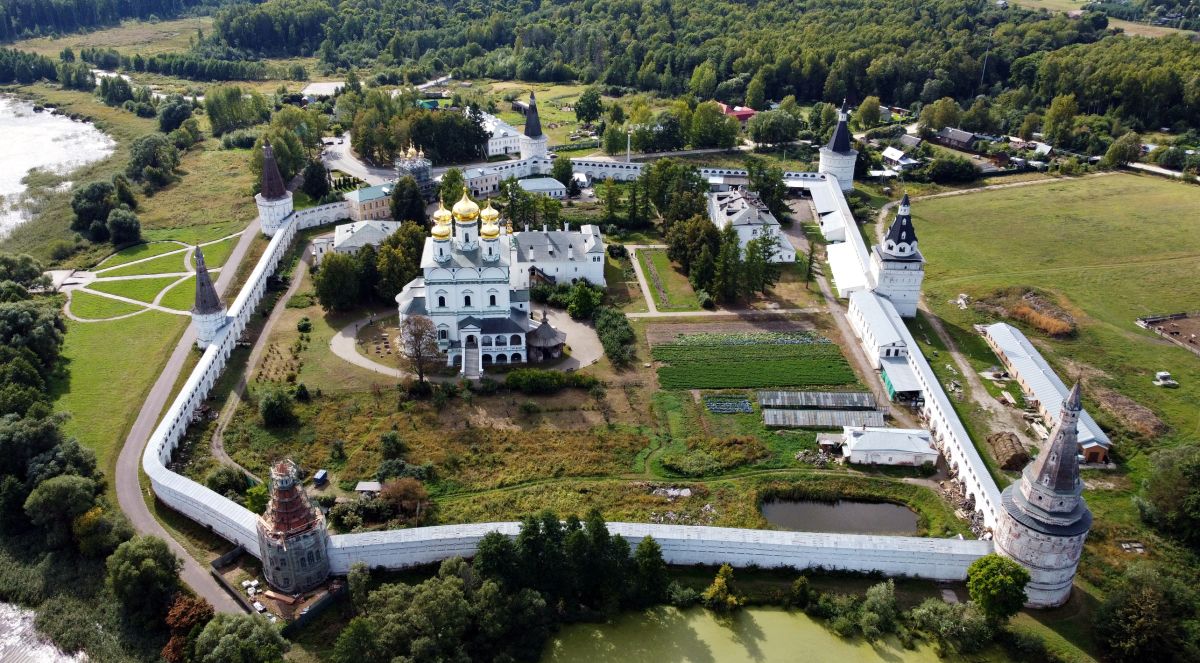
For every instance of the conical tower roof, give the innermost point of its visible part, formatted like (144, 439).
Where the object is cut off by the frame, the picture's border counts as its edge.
(288, 512)
(902, 230)
(533, 123)
(1057, 467)
(272, 181)
(840, 141)
(207, 300)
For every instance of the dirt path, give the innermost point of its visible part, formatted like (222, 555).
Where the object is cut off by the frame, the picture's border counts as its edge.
(217, 443)
(1001, 418)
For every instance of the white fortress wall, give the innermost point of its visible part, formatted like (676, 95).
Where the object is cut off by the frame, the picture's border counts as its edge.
(935, 559)
(223, 516)
(912, 556)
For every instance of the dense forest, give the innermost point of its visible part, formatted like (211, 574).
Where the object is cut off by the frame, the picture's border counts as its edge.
(902, 53)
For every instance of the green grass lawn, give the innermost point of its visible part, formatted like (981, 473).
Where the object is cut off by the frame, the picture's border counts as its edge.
(138, 252)
(679, 295)
(143, 290)
(180, 296)
(215, 255)
(94, 307)
(168, 264)
(108, 369)
(1110, 249)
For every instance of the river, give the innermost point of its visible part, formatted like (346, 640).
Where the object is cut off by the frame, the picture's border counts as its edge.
(762, 635)
(21, 643)
(40, 141)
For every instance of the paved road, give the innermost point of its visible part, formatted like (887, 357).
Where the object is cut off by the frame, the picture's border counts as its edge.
(341, 157)
(129, 463)
(1156, 170)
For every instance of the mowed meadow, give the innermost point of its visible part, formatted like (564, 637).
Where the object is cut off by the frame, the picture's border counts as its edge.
(1108, 249)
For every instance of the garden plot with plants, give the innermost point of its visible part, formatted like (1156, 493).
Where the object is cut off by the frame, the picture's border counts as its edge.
(752, 360)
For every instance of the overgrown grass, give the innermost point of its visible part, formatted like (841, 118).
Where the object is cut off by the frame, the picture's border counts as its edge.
(145, 37)
(95, 307)
(143, 290)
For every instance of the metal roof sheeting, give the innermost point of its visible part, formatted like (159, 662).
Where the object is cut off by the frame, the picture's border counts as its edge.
(777, 418)
(1044, 384)
(832, 400)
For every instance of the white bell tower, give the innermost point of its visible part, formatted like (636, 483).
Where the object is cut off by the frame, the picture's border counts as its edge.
(897, 266)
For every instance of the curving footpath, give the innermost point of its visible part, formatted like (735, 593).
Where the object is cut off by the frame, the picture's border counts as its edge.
(127, 479)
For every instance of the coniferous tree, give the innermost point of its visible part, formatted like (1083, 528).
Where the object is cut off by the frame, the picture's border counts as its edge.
(727, 270)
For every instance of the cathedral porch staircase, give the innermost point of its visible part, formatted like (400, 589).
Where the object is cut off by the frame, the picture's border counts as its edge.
(472, 369)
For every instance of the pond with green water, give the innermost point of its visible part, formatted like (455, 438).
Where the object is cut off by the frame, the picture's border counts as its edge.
(762, 635)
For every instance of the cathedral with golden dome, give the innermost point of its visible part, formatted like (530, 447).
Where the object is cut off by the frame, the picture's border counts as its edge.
(465, 289)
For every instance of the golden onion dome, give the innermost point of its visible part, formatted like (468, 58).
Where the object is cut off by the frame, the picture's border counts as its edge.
(442, 231)
(489, 214)
(412, 151)
(490, 231)
(465, 210)
(442, 215)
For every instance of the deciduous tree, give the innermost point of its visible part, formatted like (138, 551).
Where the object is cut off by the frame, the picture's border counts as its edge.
(419, 344)
(997, 585)
(143, 574)
(239, 639)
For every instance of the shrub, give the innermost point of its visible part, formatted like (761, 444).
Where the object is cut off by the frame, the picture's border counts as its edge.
(529, 408)
(617, 250)
(301, 394)
(305, 325)
(538, 381)
(616, 335)
(226, 480)
(275, 408)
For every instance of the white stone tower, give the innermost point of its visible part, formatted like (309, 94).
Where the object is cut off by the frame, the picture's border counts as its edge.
(292, 538)
(897, 266)
(274, 201)
(466, 223)
(838, 157)
(534, 143)
(1045, 519)
(208, 313)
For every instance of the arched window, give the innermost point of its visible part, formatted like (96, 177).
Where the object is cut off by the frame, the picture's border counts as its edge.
(491, 300)
(515, 339)
(442, 334)
(441, 301)
(467, 300)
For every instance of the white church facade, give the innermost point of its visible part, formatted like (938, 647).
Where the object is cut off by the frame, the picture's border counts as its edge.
(475, 282)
